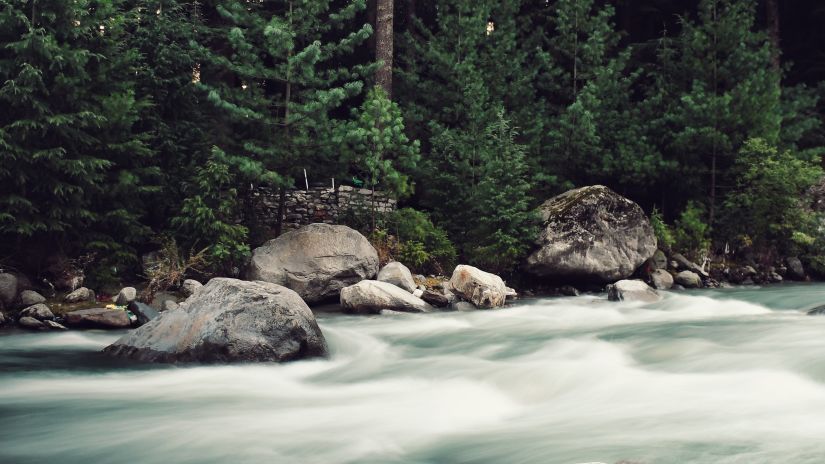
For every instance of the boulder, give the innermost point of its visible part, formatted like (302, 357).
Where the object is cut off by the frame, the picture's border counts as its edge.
(317, 260)
(372, 296)
(31, 323)
(126, 296)
(38, 311)
(143, 312)
(80, 295)
(8, 289)
(228, 320)
(686, 264)
(591, 234)
(657, 261)
(98, 318)
(483, 289)
(632, 290)
(795, 269)
(688, 279)
(189, 287)
(29, 298)
(661, 279)
(397, 274)
(439, 300)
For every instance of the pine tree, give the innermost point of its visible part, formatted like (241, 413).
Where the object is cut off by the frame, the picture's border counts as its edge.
(375, 142)
(271, 72)
(70, 153)
(718, 89)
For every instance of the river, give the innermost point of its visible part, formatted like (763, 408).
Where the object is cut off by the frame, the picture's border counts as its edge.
(726, 376)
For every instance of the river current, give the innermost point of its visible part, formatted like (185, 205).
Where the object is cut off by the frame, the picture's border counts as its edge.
(727, 376)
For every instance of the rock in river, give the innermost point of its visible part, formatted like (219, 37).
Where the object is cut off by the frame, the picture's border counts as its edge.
(591, 233)
(98, 318)
(372, 296)
(688, 279)
(317, 260)
(632, 290)
(79, 295)
(483, 289)
(228, 320)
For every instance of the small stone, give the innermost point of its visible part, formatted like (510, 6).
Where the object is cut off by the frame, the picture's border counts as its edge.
(436, 299)
(38, 311)
(169, 305)
(189, 287)
(661, 279)
(79, 295)
(688, 279)
(632, 290)
(126, 296)
(418, 293)
(30, 297)
(54, 325)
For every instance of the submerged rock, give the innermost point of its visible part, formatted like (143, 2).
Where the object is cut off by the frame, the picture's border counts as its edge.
(397, 274)
(98, 318)
(317, 260)
(483, 289)
(228, 320)
(372, 296)
(632, 290)
(592, 234)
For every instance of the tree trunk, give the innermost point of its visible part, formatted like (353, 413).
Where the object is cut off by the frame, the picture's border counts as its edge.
(772, 15)
(383, 44)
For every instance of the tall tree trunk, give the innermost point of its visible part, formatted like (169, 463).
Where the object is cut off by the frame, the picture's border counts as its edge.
(383, 44)
(772, 15)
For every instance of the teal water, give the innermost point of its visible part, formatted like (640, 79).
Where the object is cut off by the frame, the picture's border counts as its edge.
(729, 376)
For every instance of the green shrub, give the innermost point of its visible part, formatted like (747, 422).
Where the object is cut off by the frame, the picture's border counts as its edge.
(691, 235)
(421, 244)
(664, 235)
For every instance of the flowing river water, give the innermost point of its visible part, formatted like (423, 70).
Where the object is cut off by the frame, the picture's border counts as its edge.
(728, 376)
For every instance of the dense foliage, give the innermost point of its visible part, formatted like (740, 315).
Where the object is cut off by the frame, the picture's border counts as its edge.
(129, 120)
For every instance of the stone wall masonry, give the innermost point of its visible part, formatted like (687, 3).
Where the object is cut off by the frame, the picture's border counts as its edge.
(317, 204)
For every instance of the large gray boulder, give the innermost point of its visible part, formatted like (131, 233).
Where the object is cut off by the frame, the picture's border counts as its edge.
(483, 289)
(632, 290)
(372, 296)
(397, 274)
(317, 261)
(228, 320)
(593, 234)
(8, 289)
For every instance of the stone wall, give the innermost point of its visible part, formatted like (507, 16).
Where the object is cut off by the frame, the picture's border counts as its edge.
(318, 204)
